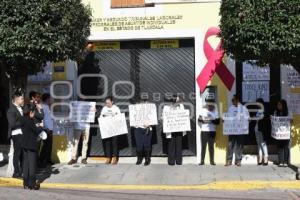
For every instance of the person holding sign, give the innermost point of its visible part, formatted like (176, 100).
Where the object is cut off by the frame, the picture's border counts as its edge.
(174, 138)
(81, 129)
(143, 138)
(282, 144)
(236, 112)
(209, 119)
(110, 144)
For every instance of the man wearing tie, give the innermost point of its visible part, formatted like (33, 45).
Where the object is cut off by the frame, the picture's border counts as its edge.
(15, 120)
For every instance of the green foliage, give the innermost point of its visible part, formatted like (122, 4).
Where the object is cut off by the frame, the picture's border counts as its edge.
(35, 31)
(264, 30)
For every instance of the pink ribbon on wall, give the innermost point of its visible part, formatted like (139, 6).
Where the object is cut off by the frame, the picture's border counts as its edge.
(214, 63)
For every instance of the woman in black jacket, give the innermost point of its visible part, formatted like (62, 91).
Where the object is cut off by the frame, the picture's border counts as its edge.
(30, 147)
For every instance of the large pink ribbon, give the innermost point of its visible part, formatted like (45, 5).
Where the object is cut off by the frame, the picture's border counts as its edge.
(214, 63)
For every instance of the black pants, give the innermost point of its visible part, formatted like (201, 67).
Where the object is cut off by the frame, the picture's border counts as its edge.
(208, 137)
(29, 167)
(235, 145)
(175, 149)
(283, 151)
(111, 147)
(45, 155)
(17, 159)
(143, 139)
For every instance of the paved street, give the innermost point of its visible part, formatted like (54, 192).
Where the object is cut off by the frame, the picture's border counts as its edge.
(54, 194)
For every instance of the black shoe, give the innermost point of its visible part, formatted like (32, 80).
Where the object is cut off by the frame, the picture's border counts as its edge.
(202, 163)
(72, 161)
(147, 157)
(51, 163)
(17, 175)
(171, 164)
(26, 187)
(36, 187)
(179, 163)
(147, 161)
(84, 161)
(212, 163)
(139, 161)
(139, 157)
(265, 163)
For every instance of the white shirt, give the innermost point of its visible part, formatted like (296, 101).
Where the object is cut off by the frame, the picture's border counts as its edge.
(48, 121)
(209, 115)
(18, 131)
(238, 111)
(19, 109)
(106, 111)
(169, 107)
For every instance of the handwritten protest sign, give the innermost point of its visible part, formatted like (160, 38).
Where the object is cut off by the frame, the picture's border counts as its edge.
(111, 126)
(83, 111)
(235, 125)
(176, 121)
(253, 90)
(142, 114)
(281, 128)
(252, 72)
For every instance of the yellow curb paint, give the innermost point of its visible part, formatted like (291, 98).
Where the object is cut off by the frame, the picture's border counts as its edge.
(222, 185)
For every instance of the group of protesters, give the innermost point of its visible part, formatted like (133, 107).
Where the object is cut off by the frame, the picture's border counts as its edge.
(31, 130)
(259, 121)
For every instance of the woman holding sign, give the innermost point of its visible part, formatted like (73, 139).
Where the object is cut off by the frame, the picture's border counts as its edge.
(143, 138)
(110, 144)
(209, 119)
(175, 138)
(282, 145)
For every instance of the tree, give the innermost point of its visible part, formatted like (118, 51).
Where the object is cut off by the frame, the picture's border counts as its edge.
(35, 31)
(267, 31)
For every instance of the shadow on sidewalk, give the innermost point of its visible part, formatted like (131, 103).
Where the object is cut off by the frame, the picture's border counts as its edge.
(45, 173)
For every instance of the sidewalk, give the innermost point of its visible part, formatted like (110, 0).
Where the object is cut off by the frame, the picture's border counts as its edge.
(161, 176)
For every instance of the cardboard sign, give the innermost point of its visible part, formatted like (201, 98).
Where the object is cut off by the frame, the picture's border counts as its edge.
(83, 111)
(111, 126)
(281, 128)
(176, 121)
(237, 125)
(142, 114)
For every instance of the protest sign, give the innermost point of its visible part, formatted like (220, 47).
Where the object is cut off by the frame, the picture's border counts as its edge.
(281, 128)
(294, 103)
(176, 121)
(256, 89)
(235, 125)
(252, 72)
(111, 126)
(142, 114)
(83, 111)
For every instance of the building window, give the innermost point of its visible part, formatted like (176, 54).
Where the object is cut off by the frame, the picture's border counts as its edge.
(128, 3)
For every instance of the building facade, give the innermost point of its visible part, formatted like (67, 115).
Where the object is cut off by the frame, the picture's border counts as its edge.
(159, 46)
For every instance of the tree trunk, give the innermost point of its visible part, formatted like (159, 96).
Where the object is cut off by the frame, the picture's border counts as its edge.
(18, 80)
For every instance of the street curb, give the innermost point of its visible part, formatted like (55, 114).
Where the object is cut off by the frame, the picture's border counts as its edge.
(226, 185)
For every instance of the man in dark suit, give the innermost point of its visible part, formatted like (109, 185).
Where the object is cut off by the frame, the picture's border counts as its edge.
(15, 121)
